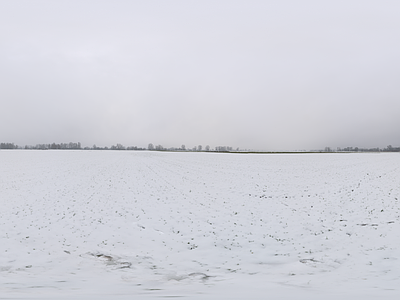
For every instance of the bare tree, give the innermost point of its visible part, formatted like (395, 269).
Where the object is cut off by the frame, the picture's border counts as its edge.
(117, 147)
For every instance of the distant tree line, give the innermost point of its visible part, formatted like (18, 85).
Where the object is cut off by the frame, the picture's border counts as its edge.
(389, 148)
(114, 147)
(199, 148)
(54, 146)
(42, 146)
(8, 146)
(78, 146)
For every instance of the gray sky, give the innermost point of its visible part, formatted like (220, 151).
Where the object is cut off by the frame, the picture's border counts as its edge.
(265, 75)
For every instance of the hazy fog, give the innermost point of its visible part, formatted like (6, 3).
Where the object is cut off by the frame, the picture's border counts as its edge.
(267, 75)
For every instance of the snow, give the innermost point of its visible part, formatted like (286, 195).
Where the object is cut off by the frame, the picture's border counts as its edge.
(149, 225)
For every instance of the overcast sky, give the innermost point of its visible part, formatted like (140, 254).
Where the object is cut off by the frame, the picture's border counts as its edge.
(265, 75)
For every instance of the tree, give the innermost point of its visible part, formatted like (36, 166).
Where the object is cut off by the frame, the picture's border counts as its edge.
(117, 147)
(8, 146)
(183, 147)
(207, 148)
(199, 147)
(150, 147)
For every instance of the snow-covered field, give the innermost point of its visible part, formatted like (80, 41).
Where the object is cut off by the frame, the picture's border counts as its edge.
(140, 225)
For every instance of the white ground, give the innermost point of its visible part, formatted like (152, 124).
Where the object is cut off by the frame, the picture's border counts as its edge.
(140, 225)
